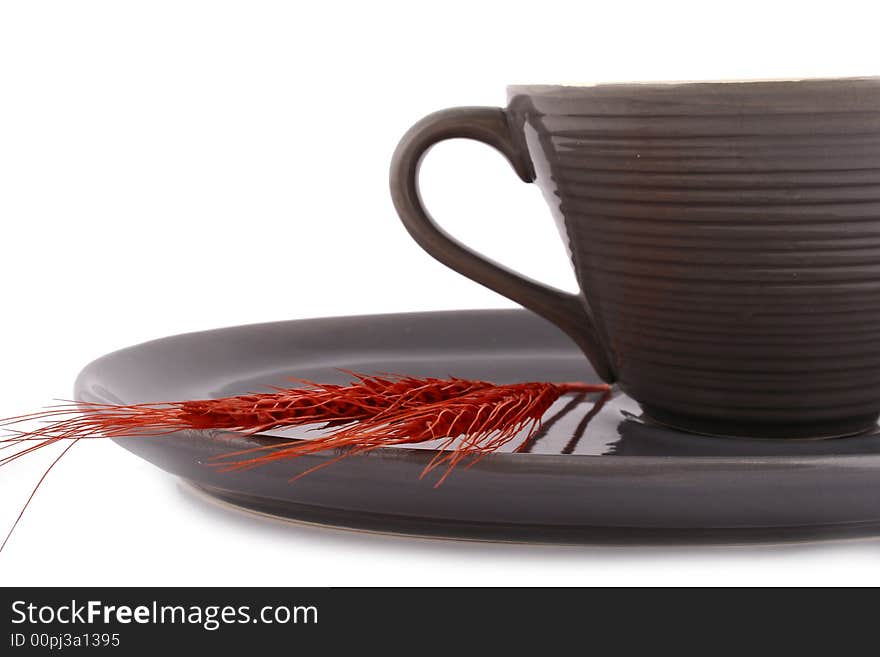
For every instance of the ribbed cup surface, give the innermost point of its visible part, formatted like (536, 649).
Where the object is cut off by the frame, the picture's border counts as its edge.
(727, 239)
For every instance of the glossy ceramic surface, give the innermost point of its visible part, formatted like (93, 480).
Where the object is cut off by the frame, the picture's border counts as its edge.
(613, 477)
(726, 238)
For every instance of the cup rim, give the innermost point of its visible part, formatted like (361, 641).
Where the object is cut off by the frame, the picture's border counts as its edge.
(648, 85)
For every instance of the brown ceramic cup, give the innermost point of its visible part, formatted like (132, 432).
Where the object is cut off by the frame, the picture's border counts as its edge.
(725, 237)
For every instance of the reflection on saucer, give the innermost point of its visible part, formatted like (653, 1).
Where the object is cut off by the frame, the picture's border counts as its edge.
(619, 428)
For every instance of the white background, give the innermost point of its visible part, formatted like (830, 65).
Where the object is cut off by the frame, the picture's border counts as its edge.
(175, 166)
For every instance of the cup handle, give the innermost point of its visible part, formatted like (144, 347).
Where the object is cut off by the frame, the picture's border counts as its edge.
(489, 125)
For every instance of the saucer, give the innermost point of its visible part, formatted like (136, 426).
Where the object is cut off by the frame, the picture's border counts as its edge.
(612, 476)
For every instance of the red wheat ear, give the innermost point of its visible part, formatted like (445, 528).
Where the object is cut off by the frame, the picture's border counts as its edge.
(473, 418)
(398, 403)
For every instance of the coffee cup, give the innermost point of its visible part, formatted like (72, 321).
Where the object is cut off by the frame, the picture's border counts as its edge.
(725, 237)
